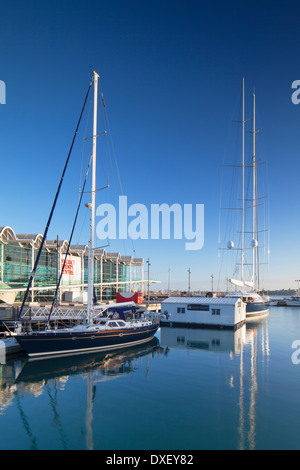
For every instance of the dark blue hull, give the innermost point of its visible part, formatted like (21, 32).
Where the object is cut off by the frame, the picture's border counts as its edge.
(255, 309)
(51, 367)
(68, 342)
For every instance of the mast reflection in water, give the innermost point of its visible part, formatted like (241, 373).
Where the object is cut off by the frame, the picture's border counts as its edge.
(186, 389)
(50, 376)
(231, 343)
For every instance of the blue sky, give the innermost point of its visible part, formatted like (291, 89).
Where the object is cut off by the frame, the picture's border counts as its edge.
(171, 75)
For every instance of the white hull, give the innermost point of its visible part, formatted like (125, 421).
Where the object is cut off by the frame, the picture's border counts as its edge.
(292, 303)
(256, 315)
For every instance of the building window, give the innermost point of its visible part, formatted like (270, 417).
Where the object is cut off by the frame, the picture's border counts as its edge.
(215, 311)
(180, 310)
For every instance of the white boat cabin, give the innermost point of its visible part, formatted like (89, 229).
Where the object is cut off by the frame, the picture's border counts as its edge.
(200, 312)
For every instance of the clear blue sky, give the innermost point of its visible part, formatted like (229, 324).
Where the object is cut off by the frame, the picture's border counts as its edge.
(171, 75)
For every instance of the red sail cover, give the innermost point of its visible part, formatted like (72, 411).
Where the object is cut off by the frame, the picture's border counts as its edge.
(136, 297)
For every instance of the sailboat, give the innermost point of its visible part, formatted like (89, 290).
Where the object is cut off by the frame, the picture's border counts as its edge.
(256, 305)
(104, 329)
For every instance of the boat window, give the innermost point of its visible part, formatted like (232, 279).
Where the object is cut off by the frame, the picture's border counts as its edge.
(121, 323)
(113, 324)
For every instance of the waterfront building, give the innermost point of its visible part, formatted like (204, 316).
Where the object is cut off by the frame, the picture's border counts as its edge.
(113, 272)
(203, 312)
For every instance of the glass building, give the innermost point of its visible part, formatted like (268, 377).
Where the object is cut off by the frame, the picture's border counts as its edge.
(112, 272)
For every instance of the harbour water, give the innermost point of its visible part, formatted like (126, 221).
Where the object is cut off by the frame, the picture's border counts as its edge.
(186, 389)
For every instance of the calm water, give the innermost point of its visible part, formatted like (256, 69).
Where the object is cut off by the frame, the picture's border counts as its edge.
(187, 389)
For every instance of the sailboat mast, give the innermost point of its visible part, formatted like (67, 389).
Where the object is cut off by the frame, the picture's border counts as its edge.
(93, 205)
(254, 201)
(243, 183)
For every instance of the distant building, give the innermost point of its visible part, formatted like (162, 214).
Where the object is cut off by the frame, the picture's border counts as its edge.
(112, 271)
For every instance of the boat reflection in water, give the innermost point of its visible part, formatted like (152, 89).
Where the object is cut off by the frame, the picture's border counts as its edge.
(23, 375)
(245, 344)
(108, 365)
(86, 398)
(212, 340)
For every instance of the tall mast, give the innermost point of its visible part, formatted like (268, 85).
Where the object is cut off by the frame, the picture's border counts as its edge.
(92, 206)
(243, 183)
(254, 201)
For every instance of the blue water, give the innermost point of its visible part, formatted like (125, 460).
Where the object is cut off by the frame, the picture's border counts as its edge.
(187, 389)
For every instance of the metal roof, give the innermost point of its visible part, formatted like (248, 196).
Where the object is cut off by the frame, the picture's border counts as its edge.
(7, 235)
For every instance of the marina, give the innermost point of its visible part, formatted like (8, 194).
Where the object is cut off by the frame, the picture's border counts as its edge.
(41, 339)
(149, 238)
(36, 317)
(102, 328)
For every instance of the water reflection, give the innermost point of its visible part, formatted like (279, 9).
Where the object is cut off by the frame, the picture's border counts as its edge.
(237, 357)
(36, 372)
(255, 337)
(228, 341)
(36, 377)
